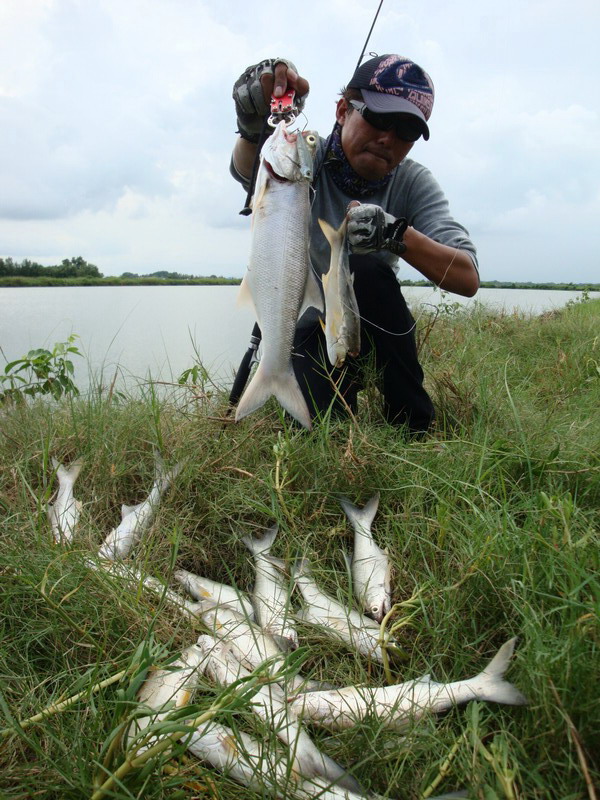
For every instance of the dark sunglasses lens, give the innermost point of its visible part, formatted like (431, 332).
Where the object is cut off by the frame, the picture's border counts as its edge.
(403, 128)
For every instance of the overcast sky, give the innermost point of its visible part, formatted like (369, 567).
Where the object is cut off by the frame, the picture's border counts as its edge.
(116, 124)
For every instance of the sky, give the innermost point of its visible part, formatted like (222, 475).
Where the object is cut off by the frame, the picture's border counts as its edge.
(117, 124)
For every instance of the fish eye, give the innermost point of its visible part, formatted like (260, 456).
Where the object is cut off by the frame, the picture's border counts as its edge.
(311, 139)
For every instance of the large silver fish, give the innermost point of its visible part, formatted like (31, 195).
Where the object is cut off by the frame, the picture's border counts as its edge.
(342, 317)
(64, 513)
(360, 632)
(395, 706)
(167, 689)
(270, 704)
(261, 767)
(266, 770)
(371, 569)
(220, 593)
(135, 520)
(271, 597)
(280, 280)
(250, 645)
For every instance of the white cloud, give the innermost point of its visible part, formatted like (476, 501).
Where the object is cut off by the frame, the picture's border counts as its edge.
(116, 122)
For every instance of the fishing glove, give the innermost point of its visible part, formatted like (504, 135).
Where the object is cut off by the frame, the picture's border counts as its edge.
(370, 228)
(250, 104)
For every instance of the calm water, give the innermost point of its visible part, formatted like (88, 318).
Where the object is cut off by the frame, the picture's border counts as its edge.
(150, 330)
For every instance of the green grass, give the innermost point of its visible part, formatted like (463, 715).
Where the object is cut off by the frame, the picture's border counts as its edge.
(493, 519)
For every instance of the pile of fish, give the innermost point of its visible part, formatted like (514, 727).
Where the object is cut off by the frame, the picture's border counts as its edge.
(244, 634)
(280, 282)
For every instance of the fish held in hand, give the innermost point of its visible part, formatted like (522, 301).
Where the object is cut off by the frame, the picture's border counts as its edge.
(395, 706)
(342, 317)
(271, 597)
(65, 511)
(371, 569)
(280, 282)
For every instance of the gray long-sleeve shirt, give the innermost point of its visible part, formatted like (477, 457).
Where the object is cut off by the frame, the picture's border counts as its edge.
(412, 192)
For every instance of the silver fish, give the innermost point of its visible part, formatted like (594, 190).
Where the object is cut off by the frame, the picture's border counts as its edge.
(64, 513)
(395, 706)
(360, 632)
(271, 597)
(167, 689)
(371, 569)
(220, 593)
(269, 703)
(261, 768)
(342, 317)
(279, 281)
(137, 519)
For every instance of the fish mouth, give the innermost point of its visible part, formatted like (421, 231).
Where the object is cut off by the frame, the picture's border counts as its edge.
(274, 175)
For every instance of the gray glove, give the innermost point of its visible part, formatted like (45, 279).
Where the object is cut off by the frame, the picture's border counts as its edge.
(370, 228)
(250, 104)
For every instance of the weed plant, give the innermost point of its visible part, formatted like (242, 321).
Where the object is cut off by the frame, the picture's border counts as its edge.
(491, 523)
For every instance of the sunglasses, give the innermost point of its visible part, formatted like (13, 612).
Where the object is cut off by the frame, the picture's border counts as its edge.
(403, 128)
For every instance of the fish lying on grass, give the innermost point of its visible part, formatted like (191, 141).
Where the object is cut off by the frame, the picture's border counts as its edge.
(271, 597)
(264, 769)
(342, 317)
(371, 569)
(280, 280)
(166, 689)
(345, 624)
(137, 519)
(64, 513)
(269, 704)
(396, 706)
(250, 645)
(219, 593)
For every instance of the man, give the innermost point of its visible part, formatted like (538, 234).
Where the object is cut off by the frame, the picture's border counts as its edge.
(395, 209)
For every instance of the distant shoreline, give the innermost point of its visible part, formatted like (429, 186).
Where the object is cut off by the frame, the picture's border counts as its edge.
(15, 281)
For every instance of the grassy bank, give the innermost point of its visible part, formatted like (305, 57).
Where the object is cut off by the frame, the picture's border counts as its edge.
(492, 522)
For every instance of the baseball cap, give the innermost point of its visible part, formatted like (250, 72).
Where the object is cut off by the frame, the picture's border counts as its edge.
(393, 84)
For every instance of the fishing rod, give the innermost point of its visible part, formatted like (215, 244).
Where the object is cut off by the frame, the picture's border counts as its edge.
(250, 357)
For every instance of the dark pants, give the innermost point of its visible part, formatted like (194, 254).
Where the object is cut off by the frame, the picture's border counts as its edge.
(387, 331)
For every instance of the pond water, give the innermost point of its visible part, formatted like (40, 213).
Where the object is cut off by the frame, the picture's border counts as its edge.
(159, 331)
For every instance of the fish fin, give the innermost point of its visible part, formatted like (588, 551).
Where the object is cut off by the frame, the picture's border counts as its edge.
(425, 678)
(261, 544)
(361, 516)
(330, 233)
(52, 516)
(301, 567)
(493, 687)
(244, 296)
(324, 765)
(312, 294)
(279, 563)
(67, 474)
(127, 510)
(285, 388)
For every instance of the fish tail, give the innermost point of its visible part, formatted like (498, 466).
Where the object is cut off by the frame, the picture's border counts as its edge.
(301, 567)
(285, 388)
(362, 516)
(493, 687)
(67, 474)
(261, 544)
(324, 765)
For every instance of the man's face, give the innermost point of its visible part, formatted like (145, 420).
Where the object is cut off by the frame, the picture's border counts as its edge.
(372, 153)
